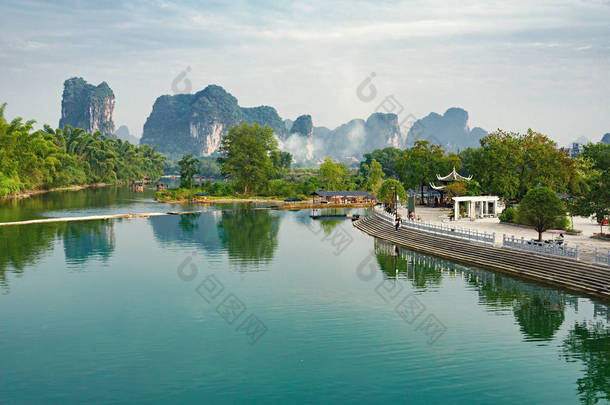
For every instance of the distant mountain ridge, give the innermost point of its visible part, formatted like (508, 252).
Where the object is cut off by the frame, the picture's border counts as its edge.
(301, 139)
(450, 130)
(196, 123)
(123, 133)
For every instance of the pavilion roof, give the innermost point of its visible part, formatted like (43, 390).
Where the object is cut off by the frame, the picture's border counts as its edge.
(437, 188)
(453, 176)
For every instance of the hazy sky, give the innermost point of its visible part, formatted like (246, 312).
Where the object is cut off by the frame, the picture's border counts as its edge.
(510, 64)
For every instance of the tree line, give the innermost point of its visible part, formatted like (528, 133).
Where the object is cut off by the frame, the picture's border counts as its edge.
(507, 164)
(48, 158)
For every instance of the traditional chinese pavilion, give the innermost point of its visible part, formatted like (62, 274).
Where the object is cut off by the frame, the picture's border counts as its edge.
(445, 180)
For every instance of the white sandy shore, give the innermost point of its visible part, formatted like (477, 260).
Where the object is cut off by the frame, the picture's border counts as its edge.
(586, 244)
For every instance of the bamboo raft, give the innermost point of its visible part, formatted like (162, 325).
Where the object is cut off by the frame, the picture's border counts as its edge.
(94, 218)
(566, 273)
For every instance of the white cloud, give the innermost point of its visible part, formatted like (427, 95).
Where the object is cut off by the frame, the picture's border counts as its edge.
(510, 64)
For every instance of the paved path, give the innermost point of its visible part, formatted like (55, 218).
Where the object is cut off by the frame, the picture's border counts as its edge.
(586, 244)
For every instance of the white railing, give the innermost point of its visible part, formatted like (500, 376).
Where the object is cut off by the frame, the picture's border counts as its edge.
(602, 258)
(385, 215)
(450, 231)
(553, 249)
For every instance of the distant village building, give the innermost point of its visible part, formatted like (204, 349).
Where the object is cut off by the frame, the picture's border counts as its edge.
(173, 181)
(575, 150)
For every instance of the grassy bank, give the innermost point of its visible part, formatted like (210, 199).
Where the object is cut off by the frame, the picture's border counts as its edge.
(190, 194)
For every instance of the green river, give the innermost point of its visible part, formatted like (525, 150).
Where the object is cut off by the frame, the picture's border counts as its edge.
(241, 304)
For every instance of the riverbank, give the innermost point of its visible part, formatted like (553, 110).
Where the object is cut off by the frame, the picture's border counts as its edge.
(198, 196)
(277, 204)
(30, 193)
(211, 200)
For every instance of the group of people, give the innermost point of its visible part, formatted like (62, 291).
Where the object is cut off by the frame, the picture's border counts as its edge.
(399, 219)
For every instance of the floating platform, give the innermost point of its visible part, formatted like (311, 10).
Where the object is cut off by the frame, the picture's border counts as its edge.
(329, 216)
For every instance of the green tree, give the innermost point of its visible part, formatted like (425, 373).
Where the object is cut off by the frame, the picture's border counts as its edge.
(596, 200)
(373, 174)
(509, 164)
(281, 161)
(332, 174)
(596, 190)
(419, 165)
(387, 157)
(50, 158)
(208, 167)
(540, 208)
(456, 189)
(389, 190)
(599, 154)
(188, 168)
(246, 155)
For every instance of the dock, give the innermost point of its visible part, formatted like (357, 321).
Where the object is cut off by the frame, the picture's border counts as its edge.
(566, 273)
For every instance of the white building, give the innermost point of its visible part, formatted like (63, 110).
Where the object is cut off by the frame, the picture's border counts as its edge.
(479, 206)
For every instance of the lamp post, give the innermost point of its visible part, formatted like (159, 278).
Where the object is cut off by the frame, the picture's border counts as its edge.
(395, 203)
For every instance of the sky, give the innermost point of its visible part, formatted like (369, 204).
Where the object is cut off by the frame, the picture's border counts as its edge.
(513, 65)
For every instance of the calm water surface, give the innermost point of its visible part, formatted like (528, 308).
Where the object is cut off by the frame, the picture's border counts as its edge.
(243, 305)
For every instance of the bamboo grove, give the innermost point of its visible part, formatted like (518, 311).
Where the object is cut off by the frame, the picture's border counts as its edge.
(48, 158)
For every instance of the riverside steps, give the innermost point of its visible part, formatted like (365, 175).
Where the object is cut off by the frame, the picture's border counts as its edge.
(562, 272)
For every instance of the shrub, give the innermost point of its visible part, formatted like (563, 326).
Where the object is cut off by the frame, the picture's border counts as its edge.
(9, 185)
(562, 223)
(510, 214)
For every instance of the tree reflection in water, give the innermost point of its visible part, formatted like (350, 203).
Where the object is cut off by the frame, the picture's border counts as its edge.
(328, 225)
(90, 198)
(196, 230)
(423, 271)
(589, 342)
(539, 311)
(188, 222)
(24, 245)
(249, 236)
(539, 317)
(86, 240)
